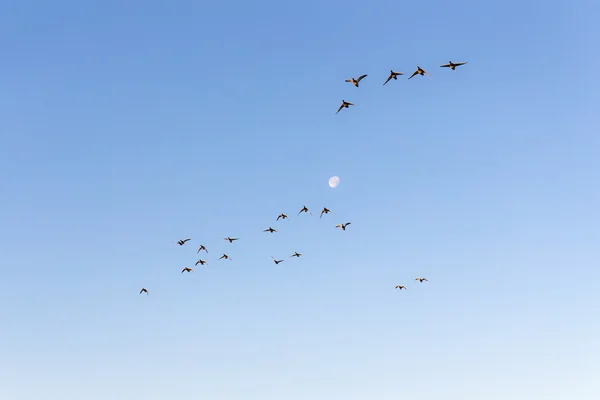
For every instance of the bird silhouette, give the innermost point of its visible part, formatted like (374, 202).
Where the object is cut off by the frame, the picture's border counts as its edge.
(144, 290)
(452, 65)
(276, 261)
(325, 211)
(421, 280)
(182, 242)
(345, 104)
(202, 248)
(230, 240)
(343, 226)
(296, 254)
(225, 256)
(355, 81)
(201, 262)
(187, 269)
(304, 209)
(419, 71)
(270, 230)
(282, 215)
(393, 75)
(401, 287)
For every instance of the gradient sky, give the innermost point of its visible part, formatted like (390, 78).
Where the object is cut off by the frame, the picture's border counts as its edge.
(128, 125)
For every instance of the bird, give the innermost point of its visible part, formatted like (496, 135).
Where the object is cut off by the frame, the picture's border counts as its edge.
(201, 262)
(182, 242)
(276, 261)
(201, 248)
(144, 290)
(343, 226)
(401, 287)
(296, 254)
(452, 65)
(187, 269)
(325, 211)
(419, 71)
(230, 240)
(421, 280)
(225, 256)
(304, 209)
(270, 230)
(345, 104)
(282, 215)
(355, 81)
(393, 75)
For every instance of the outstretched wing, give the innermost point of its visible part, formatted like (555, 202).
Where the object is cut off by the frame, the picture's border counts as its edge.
(361, 77)
(388, 79)
(414, 73)
(342, 106)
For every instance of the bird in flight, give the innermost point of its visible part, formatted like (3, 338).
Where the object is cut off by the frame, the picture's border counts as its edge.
(421, 280)
(393, 75)
(201, 248)
(345, 104)
(182, 242)
(144, 290)
(355, 81)
(230, 240)
(296, 254)
(343, 226)
(201, 262)
(325, 211)
(401, 287)
(225, 256)
(452, 65)
(282, 215)
(304, 209)
(419, 71)
(270, 230)
(187, 269)
(276, 261)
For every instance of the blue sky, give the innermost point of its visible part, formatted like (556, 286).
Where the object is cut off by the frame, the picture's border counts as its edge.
(127, 127)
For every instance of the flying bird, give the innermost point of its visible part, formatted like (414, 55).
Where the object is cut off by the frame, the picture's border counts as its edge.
(225, 256)
(343, 226)
(270, 230)
(452, 65)
(144, 290)
(230, 240)
(355, 81)
(201, 262)
(182, 242)
(419, 71)
(421, 280)
(304, 209)
(393, 75)
(401, 287)
(282, 215)
(276, 261)
(325, 211)
(345, 104)
(187, 269)
(201, 248)
(296, 254)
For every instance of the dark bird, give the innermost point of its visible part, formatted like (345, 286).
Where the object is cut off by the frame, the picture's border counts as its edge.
(225, 256)
(296, 254)
(421, 280)
(355, 81)
(201, 262)
(304, 209)
(282, 215)
(343, 226)
(230, 240)
(393, 75)
(144, 290)
(187, 269)
(325, 211)
(270, 230)
(401, 287)
(276, 261)
(419, 71)
(201, 248)
(182, 242)
(452, 65)
(345, 104)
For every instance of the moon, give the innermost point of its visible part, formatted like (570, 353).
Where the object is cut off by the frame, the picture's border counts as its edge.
(334, 181)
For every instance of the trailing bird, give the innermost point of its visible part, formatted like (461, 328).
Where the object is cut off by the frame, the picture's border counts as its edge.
(401, 287)
(296, 254)
(225, 256)
(187, 269)
(452, 65)
(304, 209)
(325, 211)
(421, 280)
(343, 226)
(202, 248)
(276, 261)
(419, 71)
(144, 290)
(282, 215)
(182, 242)
(270, 230)
(230, 240)
(355, 81)
(393, 75)
(201, 262)
(345, 104)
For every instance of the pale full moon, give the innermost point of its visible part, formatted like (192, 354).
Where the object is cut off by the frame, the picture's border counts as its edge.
(334, 181)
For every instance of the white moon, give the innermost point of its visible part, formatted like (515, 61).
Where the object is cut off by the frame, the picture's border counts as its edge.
(334, 181)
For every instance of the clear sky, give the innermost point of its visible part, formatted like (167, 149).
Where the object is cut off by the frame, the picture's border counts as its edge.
(127, 125)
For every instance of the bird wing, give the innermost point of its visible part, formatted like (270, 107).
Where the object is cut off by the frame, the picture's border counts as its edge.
(361, 77)
(342, 106)
(461, 63)
(338, 226)
(279, 216)
(426, 73)
(348, 223)
(388, 79)
(141, 291)
(445, 65)
(348, 80)
(414, 73)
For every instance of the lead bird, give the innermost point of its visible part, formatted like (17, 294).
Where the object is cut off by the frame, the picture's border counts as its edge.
(187, 269)
(393, 75)
(421, 280)
(276, 261)
(202, 248)
(401, 287)
(325, 211)
(452, 65)
(201, 262)
(296, 254)
(343, 226)
(282, 215)
(144, 290)
(419, 71)
(182, 242)
(355, 81)
(269, 229)
(225, 256)
(304, 209)
(230, 240)
(345, 104)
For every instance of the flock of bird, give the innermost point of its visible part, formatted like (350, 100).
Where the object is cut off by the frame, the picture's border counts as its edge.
(394, 75)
